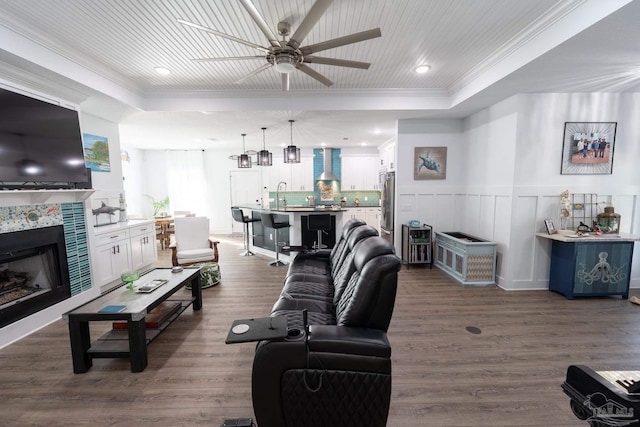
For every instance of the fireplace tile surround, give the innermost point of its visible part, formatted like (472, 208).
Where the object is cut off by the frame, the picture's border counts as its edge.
(71, 216)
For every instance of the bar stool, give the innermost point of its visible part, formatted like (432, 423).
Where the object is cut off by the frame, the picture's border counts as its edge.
(239, 216)
(321, 224)
(268, 221)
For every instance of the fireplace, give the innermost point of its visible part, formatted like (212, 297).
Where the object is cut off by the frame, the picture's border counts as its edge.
(34, 272)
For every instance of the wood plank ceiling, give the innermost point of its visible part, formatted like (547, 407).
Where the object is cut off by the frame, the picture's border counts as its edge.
(125, 40)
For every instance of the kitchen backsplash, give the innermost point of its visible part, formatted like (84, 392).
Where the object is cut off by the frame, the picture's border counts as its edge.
(299, 198)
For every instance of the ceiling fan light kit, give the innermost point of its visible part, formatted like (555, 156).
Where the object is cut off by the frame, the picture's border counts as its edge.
(288, 55)
(285, 63)
(264, 156)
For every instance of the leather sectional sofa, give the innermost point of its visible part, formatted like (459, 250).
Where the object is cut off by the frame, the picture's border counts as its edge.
(339, 374)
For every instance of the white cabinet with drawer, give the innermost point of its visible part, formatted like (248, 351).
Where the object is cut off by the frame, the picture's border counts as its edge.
(122, 247)
(143, 246)
(113, 256)
(372, 217)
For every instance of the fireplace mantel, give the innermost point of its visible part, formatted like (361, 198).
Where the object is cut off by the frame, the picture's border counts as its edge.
(41, 196)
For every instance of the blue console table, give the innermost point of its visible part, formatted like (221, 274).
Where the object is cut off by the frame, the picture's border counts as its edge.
(590, 266)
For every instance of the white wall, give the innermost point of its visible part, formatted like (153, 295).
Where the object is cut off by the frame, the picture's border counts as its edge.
(538, 181)
(505, 176)
(106, 184)
(133, 179)
(433, 201)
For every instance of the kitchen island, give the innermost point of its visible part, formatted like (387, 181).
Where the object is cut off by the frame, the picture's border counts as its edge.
(298, 234)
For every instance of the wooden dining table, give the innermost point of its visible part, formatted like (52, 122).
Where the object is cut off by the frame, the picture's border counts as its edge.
(164, 223)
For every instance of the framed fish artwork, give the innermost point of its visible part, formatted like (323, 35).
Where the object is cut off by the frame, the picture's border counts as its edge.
(430, 163)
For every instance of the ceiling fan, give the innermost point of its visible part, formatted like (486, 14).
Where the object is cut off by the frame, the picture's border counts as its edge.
(288, 55)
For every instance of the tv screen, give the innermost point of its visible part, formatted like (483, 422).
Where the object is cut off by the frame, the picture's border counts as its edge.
(40, 144)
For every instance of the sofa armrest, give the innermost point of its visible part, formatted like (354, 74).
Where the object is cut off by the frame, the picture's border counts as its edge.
(320, 253)
(349, 340)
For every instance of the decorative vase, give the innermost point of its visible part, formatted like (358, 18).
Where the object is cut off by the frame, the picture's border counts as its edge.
(609, 221)
(129, 277)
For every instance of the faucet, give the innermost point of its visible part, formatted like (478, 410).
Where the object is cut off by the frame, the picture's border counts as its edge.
(278, 195)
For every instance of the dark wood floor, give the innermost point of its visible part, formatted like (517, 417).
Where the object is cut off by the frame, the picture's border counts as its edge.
(508, 375)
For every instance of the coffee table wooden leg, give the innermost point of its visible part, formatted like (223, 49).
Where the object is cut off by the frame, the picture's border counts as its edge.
(80, 343)
(196, 292)
(137, 345)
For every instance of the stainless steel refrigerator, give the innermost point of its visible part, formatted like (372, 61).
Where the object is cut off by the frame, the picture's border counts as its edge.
(387, 205)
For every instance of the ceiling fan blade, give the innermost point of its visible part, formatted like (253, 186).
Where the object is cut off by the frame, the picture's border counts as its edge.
(285, 82)
(337, 62)
(262, 24)
(314, 74)
(341, 41)
(316, 12)
(228, 58)
(223, 35)
(254, 72)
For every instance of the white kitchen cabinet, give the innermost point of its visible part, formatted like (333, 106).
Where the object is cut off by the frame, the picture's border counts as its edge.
(349, 176)
(143, 246)
(298, 176)
(279, 171)
(372, 217)
(370, 174)
(354, 213)
(388, 157)
(302, 175)
(122, 247)
(113, 256)
(359, 173)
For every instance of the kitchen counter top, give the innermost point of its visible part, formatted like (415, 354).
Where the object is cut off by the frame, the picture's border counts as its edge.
(289, 209)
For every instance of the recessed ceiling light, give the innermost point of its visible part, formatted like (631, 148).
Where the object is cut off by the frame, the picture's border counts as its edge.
(163, 71)
(377, 131)
(364, 144)
(323, 144)
(421, 69)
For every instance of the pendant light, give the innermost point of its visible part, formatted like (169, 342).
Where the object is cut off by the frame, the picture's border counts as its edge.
(264, 156)
(244, 161)
(291, 153)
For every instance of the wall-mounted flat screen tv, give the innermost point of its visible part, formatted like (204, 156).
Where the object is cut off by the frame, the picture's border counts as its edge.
(40, 144)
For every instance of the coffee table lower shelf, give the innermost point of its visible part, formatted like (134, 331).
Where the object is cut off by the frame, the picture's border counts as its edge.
(115, 343)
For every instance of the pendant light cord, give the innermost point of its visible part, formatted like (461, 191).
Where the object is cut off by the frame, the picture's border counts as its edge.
(291, 124)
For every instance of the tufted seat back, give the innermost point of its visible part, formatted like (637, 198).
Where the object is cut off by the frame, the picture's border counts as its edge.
(368, 297)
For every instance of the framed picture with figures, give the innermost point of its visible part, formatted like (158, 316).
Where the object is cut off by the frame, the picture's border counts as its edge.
(588, 148)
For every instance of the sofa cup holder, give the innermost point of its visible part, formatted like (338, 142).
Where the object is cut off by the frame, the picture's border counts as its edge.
(294, 334)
